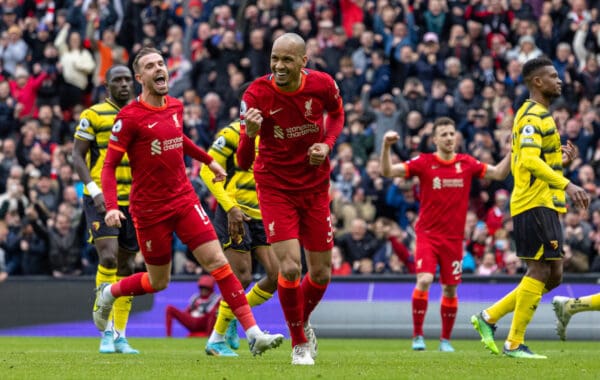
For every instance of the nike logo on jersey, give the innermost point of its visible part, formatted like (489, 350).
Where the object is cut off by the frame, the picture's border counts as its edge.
(152, 125)
(273, 112)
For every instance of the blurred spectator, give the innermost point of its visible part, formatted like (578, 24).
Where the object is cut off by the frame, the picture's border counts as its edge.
(65, 244)
(512, 264)
(200, 314)
(13, 50)
(3, 235)
(339, 266)
(24, 89)
(359, 246)
(488, 265)
(496, 214)
(8, 119)
(76, 64)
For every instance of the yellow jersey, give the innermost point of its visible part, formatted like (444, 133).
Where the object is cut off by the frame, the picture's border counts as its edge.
(95, 125)
(239, 189)
(536, 161)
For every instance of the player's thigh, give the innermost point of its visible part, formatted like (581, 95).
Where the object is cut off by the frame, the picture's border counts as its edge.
(280, 214)
(193, 227)
(538, 234)
(221, 226)
(316, 229)
(127, 235)
(156, 241)
(241, 264)
(425, 255)
(450, 254)
(103, 236)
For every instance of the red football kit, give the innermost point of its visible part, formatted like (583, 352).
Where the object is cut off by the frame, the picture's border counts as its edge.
(444, 188)
(162, 199)
(293, 194)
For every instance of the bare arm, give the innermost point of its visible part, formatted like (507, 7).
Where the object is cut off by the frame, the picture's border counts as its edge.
(80, 149)
(387, 168)
(500, 171)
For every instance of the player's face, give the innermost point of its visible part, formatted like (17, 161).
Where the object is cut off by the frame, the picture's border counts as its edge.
(551, 85)
(287, 61)
(153, 74)
(445, 138)
(120, 84)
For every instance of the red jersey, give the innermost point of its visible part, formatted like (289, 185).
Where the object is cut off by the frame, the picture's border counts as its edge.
(444, 188)
(153, 139)
(292, 122)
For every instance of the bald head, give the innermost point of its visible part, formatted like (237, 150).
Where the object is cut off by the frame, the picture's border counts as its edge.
(291, 41)
(288, 58)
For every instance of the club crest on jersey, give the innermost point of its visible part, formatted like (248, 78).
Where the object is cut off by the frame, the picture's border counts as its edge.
(308, 107)
(272, 228)
(457, 167)
(177, 125)
(437, 184)
(149, 245)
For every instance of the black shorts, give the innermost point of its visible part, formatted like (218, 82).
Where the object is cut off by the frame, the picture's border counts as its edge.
(98, 228)
(538, 234)
(254, 233)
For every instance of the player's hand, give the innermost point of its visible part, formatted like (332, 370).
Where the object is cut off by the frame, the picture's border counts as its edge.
(578, 195)
(235, 223)
(99, 203)
(218, 171)
(113, 218)
(569, 153)
(391, 138)
(317, 153)
(253, 119)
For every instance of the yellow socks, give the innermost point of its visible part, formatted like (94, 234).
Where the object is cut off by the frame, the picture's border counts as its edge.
(528, 296)
(256, 296)
(587, 303)
(121, 310)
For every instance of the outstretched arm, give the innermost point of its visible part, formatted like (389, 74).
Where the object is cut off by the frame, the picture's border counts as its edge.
(499, 172)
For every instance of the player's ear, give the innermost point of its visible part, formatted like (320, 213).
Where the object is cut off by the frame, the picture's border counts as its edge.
(138, 78)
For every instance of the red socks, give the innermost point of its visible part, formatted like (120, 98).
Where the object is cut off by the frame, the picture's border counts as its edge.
(233, 293)
(134, 285)
(448, 309)
(312, 293)
(419, 309)
(292, 303)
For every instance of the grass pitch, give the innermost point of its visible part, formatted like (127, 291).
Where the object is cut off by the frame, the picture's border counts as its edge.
(77, 358)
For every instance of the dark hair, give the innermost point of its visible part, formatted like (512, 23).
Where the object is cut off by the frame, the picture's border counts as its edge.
(143, 52)
(109, 72)
(533, 65)
(442, 121)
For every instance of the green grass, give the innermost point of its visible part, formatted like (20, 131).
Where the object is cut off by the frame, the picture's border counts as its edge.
(77, 358)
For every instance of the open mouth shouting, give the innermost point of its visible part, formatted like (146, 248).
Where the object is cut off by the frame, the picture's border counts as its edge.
(160, 83)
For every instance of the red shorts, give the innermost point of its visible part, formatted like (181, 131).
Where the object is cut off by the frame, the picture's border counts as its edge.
(448, 253)
(305, 217)
(190, 223)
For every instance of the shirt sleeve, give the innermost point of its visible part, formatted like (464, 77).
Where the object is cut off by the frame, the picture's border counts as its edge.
(221, 152)
(85, 128)
(530, 142)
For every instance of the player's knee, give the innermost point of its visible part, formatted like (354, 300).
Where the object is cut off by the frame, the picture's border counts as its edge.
(159, 284)
(107, 259)
(245, 278)
(321, 275)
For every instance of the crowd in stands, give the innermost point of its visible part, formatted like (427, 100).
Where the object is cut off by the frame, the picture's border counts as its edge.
(399, 65)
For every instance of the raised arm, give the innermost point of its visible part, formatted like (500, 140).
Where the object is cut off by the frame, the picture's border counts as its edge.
(387, 168)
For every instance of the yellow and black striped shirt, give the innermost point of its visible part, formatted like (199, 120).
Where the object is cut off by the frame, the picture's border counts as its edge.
(95, 125)
(240, 188)
(536, 161)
